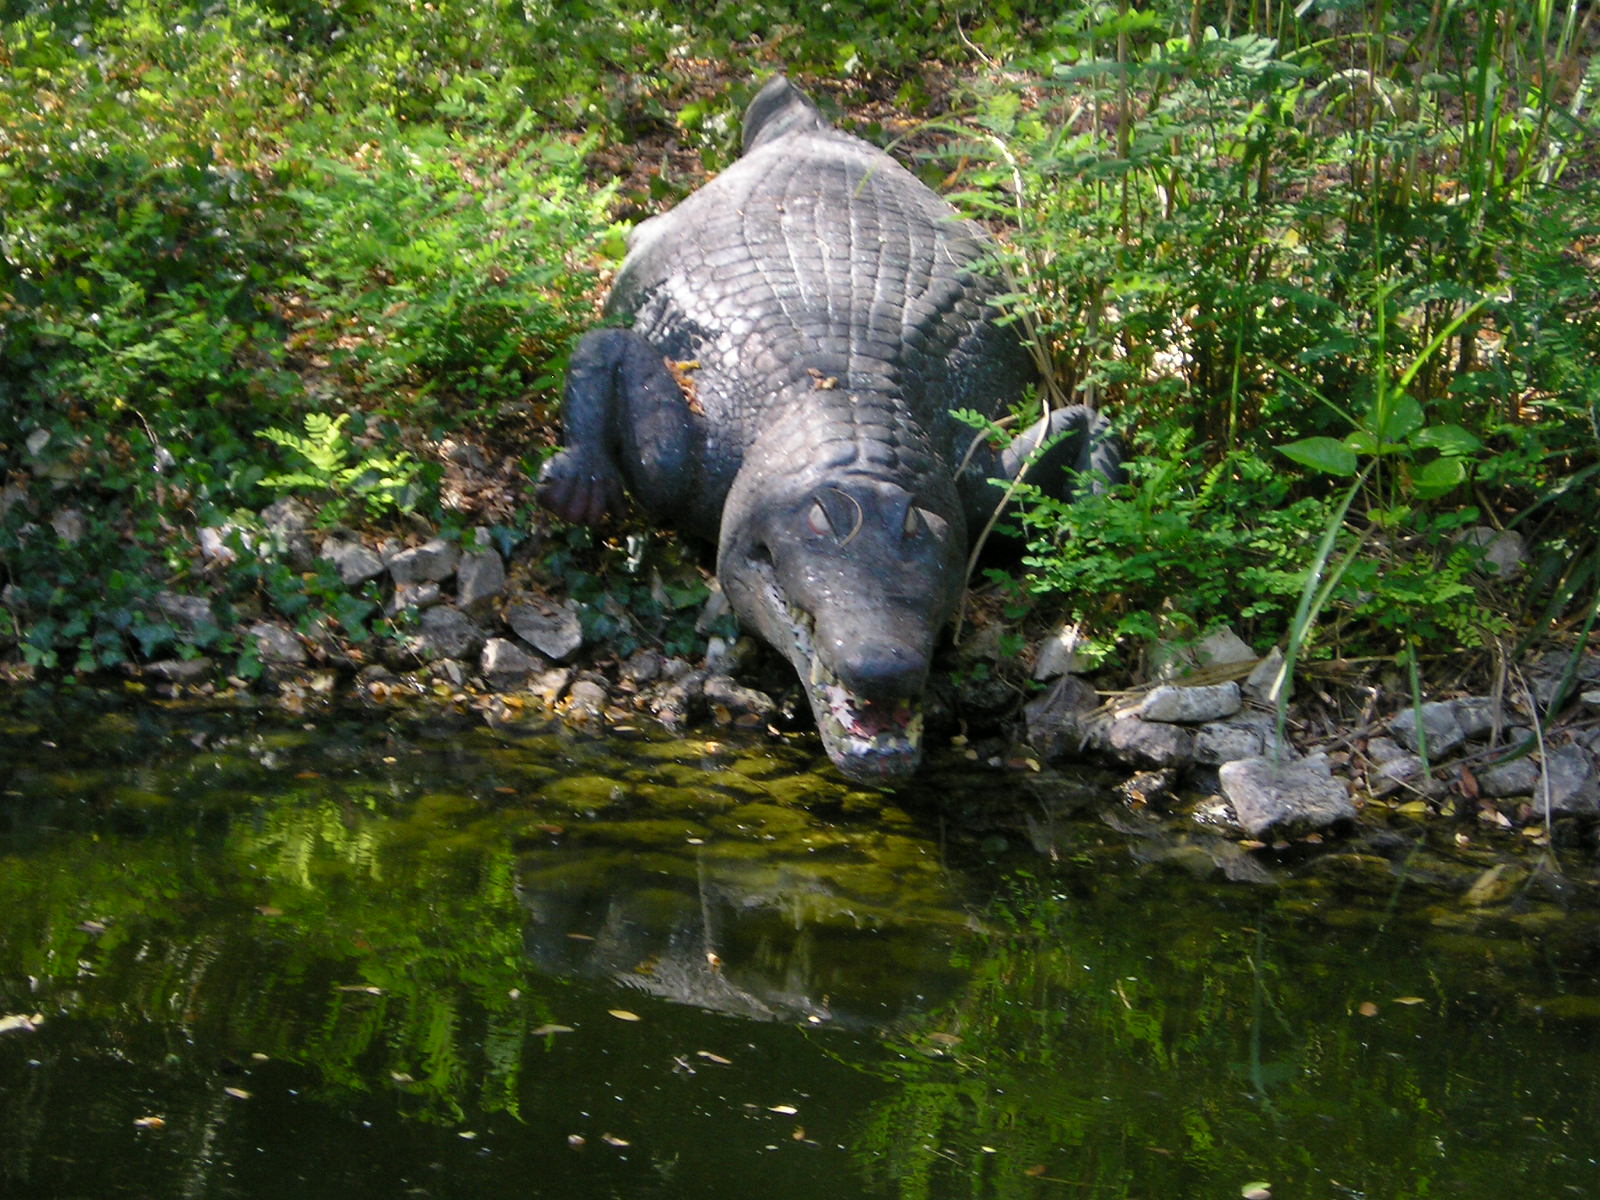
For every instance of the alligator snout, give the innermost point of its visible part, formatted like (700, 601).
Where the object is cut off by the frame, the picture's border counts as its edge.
(881, 670)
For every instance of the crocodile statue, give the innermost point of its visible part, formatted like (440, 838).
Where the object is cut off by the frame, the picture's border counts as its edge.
(800, 329)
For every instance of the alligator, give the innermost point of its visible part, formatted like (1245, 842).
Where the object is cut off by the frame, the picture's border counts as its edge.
(801, 329)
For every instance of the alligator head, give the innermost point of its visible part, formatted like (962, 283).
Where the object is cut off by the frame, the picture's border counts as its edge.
(852, 577)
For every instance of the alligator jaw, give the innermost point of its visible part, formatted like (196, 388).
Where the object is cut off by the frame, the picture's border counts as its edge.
(872, 742)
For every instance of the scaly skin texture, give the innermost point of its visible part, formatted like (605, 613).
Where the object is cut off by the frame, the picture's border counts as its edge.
(826, 311)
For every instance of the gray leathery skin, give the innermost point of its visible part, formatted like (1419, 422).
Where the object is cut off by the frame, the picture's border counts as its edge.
(828, 311)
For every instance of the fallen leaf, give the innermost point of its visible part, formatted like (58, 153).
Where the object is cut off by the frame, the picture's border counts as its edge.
(623, 1014)
(1409, 1000)
(577, 1141)
(716, 1058)
(1368, 1009)
(787, 1110)
(16, 1021)
(544, 1029)
(1034, 1171)
(612, 1139)
(467, 1135)
(799, 1133)
(1258, 1190)
(360, 987)
(150, 1122)
(237, 1093)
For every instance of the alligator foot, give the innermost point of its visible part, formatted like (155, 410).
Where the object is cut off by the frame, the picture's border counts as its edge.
(580, 488)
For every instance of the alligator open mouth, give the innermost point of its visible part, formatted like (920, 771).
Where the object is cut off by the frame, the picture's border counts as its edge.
(868, 740)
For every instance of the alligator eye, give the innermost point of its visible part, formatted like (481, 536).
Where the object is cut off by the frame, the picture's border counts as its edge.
(817, 519)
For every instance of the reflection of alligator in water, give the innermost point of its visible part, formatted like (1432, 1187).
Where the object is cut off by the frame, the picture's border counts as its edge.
(760, 938)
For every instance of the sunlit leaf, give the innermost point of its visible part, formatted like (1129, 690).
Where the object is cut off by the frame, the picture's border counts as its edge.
(623, 1014)
(546, 1029)
(716, 1058)
(1325, 454)
(787, 1110)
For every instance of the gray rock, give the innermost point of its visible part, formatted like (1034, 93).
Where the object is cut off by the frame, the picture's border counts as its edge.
(554, 632)
(1504, 552)
(1142, 743)
(1437, 721)
(190, 615)
(446, 632)
(288, 525)
(549, 686)
(1262, 684)
(276, 644)
(1519, 777)
(450, 670)
(217, 543)
(355, 563)
(414, 595)
(1476, 714)
(179, 670)
(1382, 749)
(1243, 736)
(1191, 705)
(642, 666)
(1054, 718)
(1571, 781)
(504, 664)
(719, 655)
(1284, 799)
(1396, 773)
(715, 609)
(741, 705)
(1222, 647)
(1058, 654)
(586, 698)
(433, 561)
(480, 578)
(70, 525)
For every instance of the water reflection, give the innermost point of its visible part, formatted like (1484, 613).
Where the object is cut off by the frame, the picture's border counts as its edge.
(364, 956)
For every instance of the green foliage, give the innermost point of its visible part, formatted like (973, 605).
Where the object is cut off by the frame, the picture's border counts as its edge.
(376, 484)
(1286, 247)
(451, 262)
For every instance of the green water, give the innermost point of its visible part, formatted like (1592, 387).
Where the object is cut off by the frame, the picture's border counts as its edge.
(359, 954)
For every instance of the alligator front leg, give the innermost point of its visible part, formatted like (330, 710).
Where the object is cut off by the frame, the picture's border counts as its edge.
(625, 422)
(1075, 439)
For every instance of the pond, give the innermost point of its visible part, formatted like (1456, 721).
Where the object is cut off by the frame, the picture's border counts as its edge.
(375, 953)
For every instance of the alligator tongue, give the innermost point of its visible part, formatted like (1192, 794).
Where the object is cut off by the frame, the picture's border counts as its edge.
(867, 719)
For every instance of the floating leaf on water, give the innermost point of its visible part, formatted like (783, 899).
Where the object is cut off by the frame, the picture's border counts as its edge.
(612, 1139)
(367, 988)
(799, 1133)
(150, 1122)
(237, 1093)
(1257, 1190)
(1368, 1009)
(467, 1135)
(544, 1029)
(16, 1021)
(577, 1141)
(940, 1038)
(623, 1014)
(581, 937)
(716, 1058)
(401, 1077)
(266, 910)
(92, 926)
(257, 1056)
(1409, 1000)
(1034, 1171)
(787, 1110)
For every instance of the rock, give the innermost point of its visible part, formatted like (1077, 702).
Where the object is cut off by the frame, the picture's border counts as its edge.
(217, 543)
(731, 702)
(355, 563)
(70, 525)
(1382, 750)
(719, 655)
(680, 700)
(715, 609)
(1571, 781)
(505, 665)
(288, 525)
(642, 666)
(1053, 719)
(190, 615)
(1284, 799)
(414, 595)
(1190, 705)
(480, 578)
(433, 562)
(1396, 773)
(1246, 735)
(445, 632)
(1591, 698)
(179, 670)
(1263, 682)
(276, 644)
(1504, 551)
(1437, 722)
(1476, 715)
(554, 632)
(1519, 777)
(1150, 787)
(450, 670)
(1140, 743)
(1059, 654)
(1167, 660)
(1222, 647)
(586, 698)
(549, 686)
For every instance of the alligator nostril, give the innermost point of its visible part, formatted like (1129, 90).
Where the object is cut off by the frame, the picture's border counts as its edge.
(882, 670)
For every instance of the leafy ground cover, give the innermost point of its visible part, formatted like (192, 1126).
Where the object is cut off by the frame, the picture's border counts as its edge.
(1330, 266)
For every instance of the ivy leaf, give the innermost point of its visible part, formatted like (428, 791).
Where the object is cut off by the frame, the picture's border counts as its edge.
(1447, 439)
(1325, 454)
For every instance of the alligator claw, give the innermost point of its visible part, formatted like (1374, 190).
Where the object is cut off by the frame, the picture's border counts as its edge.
(579, 488)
